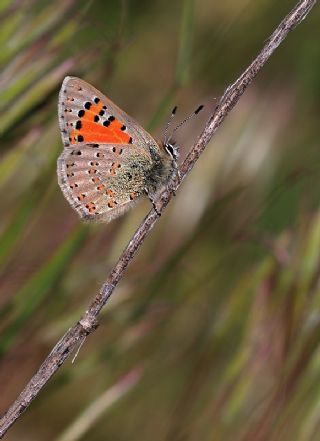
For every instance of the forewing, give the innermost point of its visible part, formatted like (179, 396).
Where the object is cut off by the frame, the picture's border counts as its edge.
(87, 116)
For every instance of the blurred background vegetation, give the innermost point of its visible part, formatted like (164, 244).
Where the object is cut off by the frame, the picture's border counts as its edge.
(214, 332)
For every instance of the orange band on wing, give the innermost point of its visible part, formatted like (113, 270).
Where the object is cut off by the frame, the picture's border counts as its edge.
(95, 132)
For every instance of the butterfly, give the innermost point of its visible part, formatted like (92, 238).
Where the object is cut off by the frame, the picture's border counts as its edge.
(109, 161)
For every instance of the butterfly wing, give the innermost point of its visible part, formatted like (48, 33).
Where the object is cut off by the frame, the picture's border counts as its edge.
(106, 155)
(87, 116)
(102, 181)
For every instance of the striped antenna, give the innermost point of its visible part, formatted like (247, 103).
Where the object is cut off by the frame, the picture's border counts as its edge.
(184, 121)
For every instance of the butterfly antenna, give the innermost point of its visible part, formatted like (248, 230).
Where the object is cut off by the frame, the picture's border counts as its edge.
(185, 120)
(165, 135)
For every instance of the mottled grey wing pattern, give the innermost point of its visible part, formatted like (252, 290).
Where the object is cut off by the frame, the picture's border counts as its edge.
(102, 181)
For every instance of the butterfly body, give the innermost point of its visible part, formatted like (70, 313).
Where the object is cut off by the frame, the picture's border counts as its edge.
(109, 161)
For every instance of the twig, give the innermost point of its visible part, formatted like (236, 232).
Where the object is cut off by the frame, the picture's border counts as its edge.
(88, 323)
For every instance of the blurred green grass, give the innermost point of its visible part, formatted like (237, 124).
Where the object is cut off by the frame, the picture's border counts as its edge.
(221, 306)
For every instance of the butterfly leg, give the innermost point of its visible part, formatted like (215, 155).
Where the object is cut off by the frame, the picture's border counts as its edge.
(175, 179)
(152, 200)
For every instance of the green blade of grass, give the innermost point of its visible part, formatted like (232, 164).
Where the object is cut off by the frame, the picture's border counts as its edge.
(36, 289)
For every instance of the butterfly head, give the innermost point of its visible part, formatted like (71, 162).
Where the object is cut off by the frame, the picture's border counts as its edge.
(169, 144)
(172, 149)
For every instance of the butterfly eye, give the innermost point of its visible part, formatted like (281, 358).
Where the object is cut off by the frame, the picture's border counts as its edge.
(170, 149)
